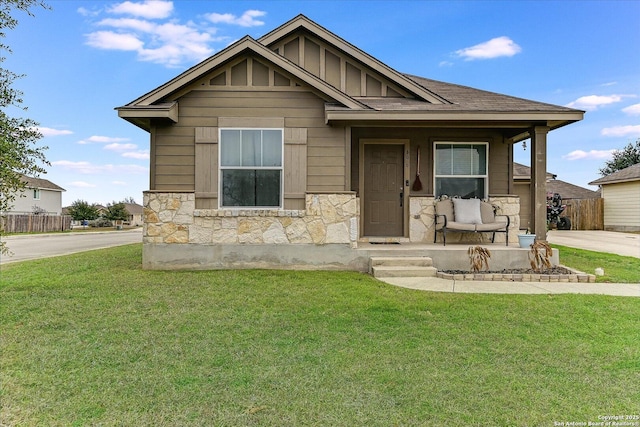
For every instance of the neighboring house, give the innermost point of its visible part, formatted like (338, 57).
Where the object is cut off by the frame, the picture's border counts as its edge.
(522, 187)
(621, 194)
(40, 196)
(135, 214)
(293, 149)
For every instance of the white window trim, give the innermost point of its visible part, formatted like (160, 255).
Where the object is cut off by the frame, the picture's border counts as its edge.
(485, 176)
(36, 194)
(221, 168)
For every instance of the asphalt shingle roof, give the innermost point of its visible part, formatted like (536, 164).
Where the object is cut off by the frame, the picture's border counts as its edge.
(632, 173)
(41, 183)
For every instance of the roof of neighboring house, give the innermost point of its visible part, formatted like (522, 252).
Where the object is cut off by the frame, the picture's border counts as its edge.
(570, 191)
(521, 171)
(134, 208)
(631, 173)
(41, 183)
(565, 189)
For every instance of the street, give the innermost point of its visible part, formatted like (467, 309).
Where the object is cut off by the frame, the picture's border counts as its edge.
(33, 246)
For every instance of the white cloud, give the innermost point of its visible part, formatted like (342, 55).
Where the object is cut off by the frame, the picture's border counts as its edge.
(618, 131)
(248, 18)
(170, 44)
(114, 41)
(593, 102)
(494, 48)
(167, 42)
(140, 155)
(589, 155)
(120, 147)
(86, 168)
(129, 23)
(150, 9)
(81, 184)
(120, 183)
(86, 12)
(53, 132)
(632, 110)
(97, 139)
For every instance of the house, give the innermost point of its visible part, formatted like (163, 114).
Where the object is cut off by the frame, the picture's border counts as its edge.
(522, 188)
(294, 149)
(135, 214)
(621, 194)
(40, 196)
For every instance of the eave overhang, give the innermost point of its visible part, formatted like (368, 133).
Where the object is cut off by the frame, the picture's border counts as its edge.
(141, 115)
(519, 122)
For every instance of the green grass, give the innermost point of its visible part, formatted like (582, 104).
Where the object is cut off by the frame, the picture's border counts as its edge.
(92, 339)
(618, 269)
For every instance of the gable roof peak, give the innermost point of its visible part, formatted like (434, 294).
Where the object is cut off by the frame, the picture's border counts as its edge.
(301, 21)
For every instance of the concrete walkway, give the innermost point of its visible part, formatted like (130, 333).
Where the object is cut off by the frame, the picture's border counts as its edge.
(463, 286)
(624, 244)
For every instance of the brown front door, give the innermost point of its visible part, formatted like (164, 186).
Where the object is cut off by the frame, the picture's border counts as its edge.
(383, 190)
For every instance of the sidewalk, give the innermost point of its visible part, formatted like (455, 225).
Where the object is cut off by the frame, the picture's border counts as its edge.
(457, 286)
(625, 244)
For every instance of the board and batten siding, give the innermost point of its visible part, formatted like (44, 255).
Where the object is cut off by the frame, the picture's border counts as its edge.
(185, 153)
(621, 206)
(425, 138)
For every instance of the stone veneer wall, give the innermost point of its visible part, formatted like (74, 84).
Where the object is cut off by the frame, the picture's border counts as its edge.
(422, 219)
(327, 219)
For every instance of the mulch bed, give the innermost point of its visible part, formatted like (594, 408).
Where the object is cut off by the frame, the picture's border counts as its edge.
(555, 274)
(553, 270)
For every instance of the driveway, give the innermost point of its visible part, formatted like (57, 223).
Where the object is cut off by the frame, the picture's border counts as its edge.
(34, 246)
(626, 244)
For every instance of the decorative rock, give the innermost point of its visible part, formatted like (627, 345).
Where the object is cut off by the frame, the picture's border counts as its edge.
(275, 234)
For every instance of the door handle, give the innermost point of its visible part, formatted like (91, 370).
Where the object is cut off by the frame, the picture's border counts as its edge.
(401, 198)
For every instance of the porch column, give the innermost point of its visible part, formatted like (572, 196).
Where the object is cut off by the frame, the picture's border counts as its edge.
(539, 181)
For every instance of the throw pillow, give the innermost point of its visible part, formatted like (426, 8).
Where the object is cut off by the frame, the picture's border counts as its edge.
(467, 211)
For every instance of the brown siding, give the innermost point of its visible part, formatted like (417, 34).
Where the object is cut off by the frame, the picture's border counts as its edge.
(325, 151)
(336, 67)
(423, 137)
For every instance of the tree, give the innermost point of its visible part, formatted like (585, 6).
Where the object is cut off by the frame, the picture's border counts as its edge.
(18, 136)
(116, 212)
(628, 156)
(130, 200)
(81, 210)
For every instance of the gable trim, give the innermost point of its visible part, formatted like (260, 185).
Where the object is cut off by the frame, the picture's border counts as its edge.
(400, 79)
(246, 43)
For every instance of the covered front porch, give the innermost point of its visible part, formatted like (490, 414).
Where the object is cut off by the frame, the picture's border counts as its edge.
(450, 257)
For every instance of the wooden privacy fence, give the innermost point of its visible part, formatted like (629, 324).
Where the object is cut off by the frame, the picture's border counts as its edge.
(585, 214)
(36, 223)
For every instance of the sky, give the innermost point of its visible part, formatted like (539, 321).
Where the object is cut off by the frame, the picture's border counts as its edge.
(82, 59)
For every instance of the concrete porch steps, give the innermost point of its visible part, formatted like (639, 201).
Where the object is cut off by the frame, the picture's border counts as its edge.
(402, 266)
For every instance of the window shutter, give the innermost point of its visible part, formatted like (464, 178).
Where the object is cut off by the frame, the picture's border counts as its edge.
(206, 179)
(295, 167)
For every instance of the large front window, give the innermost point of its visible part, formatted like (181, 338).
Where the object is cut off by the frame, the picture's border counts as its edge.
(461, 170)
(251, 168)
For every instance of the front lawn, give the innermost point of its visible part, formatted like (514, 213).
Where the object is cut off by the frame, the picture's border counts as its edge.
(92, 339)
(617, 268)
